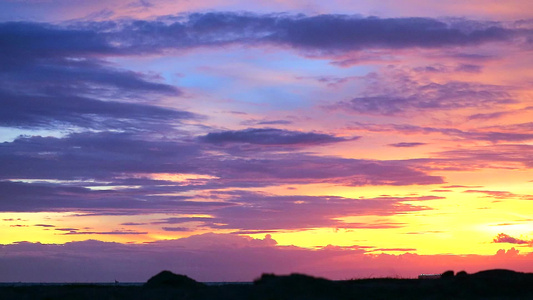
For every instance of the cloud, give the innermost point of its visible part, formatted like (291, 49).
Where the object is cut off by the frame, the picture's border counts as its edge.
(57, 77)
(114, 232)
(515, 156)
(489, 116)
(504, 238)
(324, 33)
(501, 194)
(469, 68)
(182, 229)
(214, 257)
(494, 134)
(121, 157)
(274, 122)
(407, 145)
(261, 212)
(26, 197)
(401, 94)
(271, 137)
(44, 225)
(301, 168)
(53, 111)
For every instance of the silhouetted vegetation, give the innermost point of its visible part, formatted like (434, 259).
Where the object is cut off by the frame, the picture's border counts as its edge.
(491, 284)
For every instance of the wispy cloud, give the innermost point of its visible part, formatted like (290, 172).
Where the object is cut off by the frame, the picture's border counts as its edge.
(504, 238)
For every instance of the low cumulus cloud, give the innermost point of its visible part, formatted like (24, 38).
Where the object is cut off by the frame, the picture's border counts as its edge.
(216, 257)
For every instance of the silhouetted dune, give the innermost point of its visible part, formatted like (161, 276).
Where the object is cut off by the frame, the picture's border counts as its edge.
(489, 284)
(169, 279)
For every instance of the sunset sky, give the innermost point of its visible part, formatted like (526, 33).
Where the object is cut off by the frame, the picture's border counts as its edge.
(224, 139)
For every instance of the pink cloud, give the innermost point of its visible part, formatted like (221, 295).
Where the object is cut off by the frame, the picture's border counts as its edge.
(219, 257)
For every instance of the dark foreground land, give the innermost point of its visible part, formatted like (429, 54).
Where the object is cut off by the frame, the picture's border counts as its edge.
(491, 284)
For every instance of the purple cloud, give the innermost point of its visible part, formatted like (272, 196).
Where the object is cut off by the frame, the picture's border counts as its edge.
(504, 133)
(111, 156)
(53, 111)
(405, 95)
(469, 68)
(114, 232)
(407, 145)
(489, 116)
(504, 238)
(20, 197)
(260, 212)
(108, 261)
(274, 122)
(271, 137)
(482, 157)
(180, 229)
(325, 33)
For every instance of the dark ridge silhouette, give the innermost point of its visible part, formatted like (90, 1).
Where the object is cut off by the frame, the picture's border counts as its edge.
(169, 279)
(489, 284)
(501, 274)
(298, 285)
(447, 275)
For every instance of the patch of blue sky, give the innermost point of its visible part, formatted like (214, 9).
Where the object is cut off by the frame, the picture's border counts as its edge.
(9, 134)
(270, 98)
(265, 78)
(173, 68)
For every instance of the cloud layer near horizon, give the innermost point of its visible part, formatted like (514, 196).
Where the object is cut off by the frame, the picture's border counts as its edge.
(217, 257)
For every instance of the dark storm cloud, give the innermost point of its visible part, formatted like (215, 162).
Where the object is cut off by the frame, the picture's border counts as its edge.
(270, 136)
